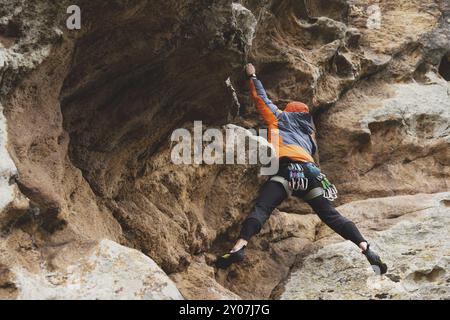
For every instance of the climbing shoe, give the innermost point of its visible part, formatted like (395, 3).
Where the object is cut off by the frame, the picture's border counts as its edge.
(228, 259)
(378, 266)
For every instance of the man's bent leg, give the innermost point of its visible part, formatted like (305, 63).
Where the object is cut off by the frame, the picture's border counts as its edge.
(271, 196)
(346, 229)
(332, 218)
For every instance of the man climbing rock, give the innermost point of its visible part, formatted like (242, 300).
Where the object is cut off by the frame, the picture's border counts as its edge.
(298, 175)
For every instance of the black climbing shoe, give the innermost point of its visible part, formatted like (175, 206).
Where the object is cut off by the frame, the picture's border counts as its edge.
(375, 261)
(228, 259)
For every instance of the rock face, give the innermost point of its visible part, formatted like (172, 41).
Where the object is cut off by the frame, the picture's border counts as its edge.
(403, 142)
(415, 248)
(11, 200)
(87, 115)
(110, 272)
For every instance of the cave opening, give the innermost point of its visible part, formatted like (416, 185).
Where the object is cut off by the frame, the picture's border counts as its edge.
(123, 95)
(122, 99)
(444, 67)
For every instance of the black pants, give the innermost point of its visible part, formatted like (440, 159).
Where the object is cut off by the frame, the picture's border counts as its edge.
(273, 193)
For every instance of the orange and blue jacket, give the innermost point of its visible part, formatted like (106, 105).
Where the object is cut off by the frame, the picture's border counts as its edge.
(289, 133)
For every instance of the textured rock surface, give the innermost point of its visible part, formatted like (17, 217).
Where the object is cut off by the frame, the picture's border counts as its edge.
(197, 283)
(109, 271)
(11, 200)
(416, 248)
(87, 117)
(403, 141)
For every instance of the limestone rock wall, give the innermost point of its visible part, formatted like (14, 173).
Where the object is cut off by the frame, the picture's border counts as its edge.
(87, 116)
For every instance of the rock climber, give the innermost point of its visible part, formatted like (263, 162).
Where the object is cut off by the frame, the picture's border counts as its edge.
(298, 175)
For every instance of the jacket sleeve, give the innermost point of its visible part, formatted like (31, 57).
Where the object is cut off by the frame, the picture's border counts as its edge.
(268, 110)
(313, 139)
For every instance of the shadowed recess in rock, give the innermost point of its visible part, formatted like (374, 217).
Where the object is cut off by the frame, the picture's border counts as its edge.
(444, 67)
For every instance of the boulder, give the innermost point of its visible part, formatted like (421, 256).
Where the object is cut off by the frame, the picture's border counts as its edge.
(109, 272)
(415, 249)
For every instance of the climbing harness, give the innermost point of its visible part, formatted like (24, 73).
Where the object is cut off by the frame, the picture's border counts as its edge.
(313, 169)
(314, 193)
(329, 190)
(283, 182)
(297, 179)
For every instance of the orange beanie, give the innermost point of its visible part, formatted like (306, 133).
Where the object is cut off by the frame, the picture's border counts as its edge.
(296, 107)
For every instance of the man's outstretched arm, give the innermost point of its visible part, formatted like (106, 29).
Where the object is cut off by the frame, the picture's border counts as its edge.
(314, 139)
(268, 110)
